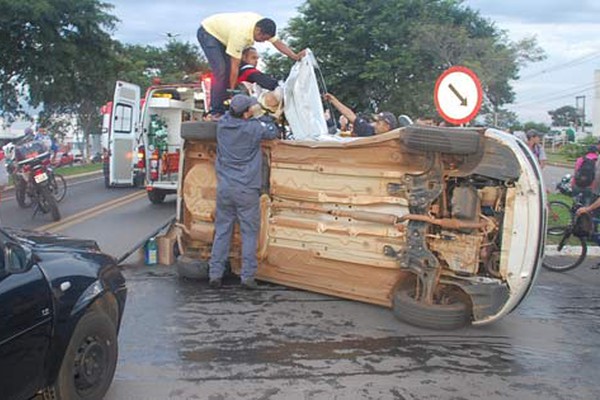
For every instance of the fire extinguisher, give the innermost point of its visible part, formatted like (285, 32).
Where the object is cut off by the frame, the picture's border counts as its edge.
(154, 165)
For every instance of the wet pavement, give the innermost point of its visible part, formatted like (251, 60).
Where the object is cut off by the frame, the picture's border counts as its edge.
(182, 340)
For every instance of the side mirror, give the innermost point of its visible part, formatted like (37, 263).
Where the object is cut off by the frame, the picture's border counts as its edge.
(16, 258)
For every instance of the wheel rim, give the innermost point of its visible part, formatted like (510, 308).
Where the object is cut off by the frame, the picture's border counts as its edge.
(90, 364)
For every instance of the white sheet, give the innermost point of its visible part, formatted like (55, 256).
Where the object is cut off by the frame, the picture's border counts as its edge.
(302, 101)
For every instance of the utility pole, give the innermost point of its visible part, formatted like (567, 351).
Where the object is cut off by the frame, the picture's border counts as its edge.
(581, 110)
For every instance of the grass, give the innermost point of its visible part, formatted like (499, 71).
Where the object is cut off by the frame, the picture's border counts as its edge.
(558, 216)
(559, 158)
(74, 170)
(79, 169)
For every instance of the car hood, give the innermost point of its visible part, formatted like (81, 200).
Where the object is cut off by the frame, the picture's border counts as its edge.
(44, 241)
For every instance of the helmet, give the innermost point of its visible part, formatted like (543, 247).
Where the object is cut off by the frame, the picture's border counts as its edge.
(9, 151)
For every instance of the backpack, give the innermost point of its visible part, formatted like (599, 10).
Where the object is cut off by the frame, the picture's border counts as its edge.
(586, 174)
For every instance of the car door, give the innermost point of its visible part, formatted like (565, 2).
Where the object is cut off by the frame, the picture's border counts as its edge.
(123, 127)
(25, 327)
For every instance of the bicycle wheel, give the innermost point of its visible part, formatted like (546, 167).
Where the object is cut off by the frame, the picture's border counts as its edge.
(559, 218)
(58, 187)
(568, 253)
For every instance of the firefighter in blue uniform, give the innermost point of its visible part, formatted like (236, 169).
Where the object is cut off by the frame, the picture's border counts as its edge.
(238, 168)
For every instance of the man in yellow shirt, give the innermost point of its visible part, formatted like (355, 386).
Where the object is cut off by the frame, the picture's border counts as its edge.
(223, 37)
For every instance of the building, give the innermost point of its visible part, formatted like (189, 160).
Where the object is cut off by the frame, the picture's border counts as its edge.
(596, 105)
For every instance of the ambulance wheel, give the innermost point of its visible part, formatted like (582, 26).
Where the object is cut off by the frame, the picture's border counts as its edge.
(156, 196)
(106, 173)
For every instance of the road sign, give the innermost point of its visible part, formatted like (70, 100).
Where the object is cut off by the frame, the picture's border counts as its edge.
(458, 95)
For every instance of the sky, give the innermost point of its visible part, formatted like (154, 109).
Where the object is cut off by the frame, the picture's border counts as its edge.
(568, 31)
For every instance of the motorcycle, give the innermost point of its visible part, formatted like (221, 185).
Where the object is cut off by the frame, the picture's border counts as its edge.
(34, 179)
(564, 186)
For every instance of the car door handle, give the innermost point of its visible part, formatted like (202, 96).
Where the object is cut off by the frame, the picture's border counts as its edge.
(65, 286)
(45, 312)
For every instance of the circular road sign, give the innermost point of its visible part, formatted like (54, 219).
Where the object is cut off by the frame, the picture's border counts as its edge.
(458, 95)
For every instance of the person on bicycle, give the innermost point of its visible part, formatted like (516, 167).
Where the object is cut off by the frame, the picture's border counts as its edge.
(585, 175)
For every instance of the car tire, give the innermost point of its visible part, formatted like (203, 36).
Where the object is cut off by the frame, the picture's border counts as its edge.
(156, 196)
(199, 130)
(189, 268)
(451, 316)
(23, 199)
(445, 140)
(93, 343)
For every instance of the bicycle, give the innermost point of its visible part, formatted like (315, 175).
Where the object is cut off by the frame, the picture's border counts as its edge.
(57, 185)
(567, 235)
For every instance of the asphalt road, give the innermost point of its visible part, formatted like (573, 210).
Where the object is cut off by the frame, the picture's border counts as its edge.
(116, 218)
(182, 340)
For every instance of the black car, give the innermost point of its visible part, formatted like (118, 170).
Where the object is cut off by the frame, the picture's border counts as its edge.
(61, 306)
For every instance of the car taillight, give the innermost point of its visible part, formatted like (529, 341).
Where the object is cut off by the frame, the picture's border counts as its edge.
(154, 163)
(141, 164)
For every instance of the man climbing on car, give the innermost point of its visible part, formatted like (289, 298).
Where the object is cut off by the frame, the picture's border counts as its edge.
(222, 38)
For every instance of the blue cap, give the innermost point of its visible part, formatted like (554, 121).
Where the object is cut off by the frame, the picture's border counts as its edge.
(241, 103)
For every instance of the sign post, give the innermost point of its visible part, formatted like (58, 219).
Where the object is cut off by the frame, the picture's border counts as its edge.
(458, 95)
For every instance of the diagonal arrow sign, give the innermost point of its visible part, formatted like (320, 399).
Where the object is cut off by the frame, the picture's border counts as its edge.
(463, 100)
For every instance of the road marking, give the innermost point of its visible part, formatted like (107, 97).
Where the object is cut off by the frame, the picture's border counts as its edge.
(90, 213)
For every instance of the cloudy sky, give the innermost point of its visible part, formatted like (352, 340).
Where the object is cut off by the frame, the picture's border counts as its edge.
(568, 30)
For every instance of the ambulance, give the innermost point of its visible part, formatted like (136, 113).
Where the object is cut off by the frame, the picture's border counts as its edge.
(141, 137)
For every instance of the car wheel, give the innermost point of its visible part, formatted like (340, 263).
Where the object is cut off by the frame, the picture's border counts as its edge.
(199, 130)
(450, 309)
(442, 139)
(189, 268)
(89, 363)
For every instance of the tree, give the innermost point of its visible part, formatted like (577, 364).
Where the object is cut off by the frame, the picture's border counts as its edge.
(503, 119)
(564, 116)
(177, 62)
(536, 126)
(387, 54)
(53, 52)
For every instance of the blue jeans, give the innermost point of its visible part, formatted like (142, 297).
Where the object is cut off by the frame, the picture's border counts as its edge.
(243, 205)
(220, 64)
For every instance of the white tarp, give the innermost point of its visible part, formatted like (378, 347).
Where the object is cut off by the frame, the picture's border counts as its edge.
(302, 101)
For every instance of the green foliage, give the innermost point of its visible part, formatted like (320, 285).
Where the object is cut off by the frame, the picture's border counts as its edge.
(564, 116)
(387, 54)
(572, 151)
(536, 126)
(60, 54)
(46, 47)
(503, 119)
(177, 62)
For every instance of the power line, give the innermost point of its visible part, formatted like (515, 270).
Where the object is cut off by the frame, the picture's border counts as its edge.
(570, 94)
(585, 86)
(568, 64)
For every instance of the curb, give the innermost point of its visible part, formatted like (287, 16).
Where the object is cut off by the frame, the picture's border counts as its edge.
(560, 164)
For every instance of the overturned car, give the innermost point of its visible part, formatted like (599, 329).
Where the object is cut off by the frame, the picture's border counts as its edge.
(445, 226)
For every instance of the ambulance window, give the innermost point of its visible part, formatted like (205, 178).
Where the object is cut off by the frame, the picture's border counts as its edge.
(123, 118)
